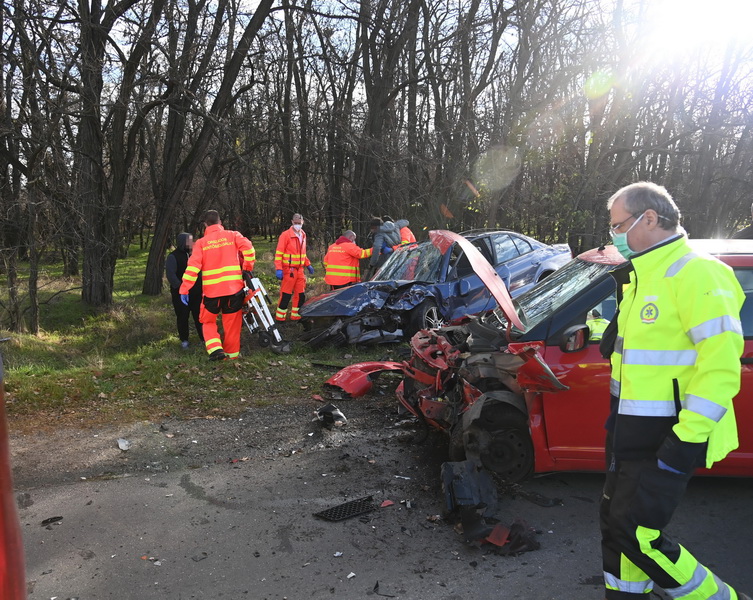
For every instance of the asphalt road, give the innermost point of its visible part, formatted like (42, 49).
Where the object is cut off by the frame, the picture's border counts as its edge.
(231, 528)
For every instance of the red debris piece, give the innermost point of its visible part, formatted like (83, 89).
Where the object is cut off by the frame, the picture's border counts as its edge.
(386, 503)
(499, 536)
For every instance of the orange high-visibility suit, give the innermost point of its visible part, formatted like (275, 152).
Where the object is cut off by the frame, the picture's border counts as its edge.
(342, 262)
(215, 256)
(406, 236)
(291, 259)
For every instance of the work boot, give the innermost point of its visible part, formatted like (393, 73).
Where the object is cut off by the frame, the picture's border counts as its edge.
(217, 355)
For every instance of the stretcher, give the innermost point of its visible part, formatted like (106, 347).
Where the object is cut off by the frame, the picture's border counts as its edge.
(258, 318)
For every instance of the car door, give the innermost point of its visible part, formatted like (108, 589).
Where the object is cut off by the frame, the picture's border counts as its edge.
(574, 418)
(465, 293)
(527, 266)
(508, 262)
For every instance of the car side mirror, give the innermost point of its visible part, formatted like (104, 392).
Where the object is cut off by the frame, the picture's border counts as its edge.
(464, 287)
(575, 338)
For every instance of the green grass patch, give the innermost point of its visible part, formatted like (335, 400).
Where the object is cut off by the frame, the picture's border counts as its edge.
(124, 364)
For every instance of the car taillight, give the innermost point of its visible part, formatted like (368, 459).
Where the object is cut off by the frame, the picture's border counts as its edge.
(12, 576)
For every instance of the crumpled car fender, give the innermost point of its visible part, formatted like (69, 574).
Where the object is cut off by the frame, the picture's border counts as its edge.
(409, 297)
(356, 380)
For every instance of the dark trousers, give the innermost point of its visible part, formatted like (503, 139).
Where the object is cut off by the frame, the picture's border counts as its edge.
(182, 312)
(638, 502)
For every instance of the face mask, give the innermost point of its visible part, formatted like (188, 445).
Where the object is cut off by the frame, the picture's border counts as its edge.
(297, 227)
(620, 241)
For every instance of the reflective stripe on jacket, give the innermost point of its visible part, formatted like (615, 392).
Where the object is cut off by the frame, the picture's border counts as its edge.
(291, 251)
(215, 256)
(676, 365)
(342, 262)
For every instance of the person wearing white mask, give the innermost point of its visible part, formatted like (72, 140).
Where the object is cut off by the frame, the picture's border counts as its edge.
(290, 262)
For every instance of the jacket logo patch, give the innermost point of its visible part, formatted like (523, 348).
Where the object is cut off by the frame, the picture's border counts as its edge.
(649, 313)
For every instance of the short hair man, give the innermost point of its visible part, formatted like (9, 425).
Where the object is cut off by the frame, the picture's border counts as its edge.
(675, 371)
(290, 261)
(342, 263)
(216, 257)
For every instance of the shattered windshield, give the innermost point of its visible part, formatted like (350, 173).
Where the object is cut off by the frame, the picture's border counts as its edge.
(418, 262)
(544, 299)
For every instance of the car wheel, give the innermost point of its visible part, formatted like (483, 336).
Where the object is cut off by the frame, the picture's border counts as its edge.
(425, 316)
(507, 448)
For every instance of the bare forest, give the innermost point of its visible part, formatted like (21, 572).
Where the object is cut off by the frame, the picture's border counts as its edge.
(122, 123)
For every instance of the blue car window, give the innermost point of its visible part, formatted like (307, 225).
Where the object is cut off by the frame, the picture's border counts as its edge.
(504, 248)
(524, 246)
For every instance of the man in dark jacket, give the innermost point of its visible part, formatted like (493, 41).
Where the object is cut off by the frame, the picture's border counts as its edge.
(386, 236)
(175, 266)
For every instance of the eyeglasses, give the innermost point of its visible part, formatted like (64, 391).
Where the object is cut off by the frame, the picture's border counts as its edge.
(613, 228)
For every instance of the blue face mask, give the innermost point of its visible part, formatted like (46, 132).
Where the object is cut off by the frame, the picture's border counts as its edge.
(620, 241)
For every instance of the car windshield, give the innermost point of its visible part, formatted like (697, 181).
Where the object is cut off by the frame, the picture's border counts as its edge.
(545, 298)
(418, 262)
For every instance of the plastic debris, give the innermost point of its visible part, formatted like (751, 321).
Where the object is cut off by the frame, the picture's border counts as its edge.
(337, 554)
(347, 510)
(123, 444)
(386, 503)
(51, 521)
(329, 414)
(351, 575)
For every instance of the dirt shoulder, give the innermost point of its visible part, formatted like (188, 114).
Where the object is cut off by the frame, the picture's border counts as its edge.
(67, 455)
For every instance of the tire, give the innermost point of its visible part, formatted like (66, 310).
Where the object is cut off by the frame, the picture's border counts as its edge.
(264, 339)
(425, 316)
(505, 445)
(544, 275)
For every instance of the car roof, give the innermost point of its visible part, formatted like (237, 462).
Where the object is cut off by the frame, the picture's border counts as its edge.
(609, 255)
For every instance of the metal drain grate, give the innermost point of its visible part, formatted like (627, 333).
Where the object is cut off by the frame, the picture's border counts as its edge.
(347, 510)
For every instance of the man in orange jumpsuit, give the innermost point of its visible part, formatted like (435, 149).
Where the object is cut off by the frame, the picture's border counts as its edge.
(216, 257)
(290, 261)
(342, 261)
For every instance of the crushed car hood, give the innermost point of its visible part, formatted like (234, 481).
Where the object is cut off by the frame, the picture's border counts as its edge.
(405, 295)
(443, 239)
(367, 296)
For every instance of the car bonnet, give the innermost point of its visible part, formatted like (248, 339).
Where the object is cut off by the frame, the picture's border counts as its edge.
(443, 239)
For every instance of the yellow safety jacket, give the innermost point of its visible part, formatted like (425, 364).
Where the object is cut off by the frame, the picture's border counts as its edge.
(597, 327)
(676, 363)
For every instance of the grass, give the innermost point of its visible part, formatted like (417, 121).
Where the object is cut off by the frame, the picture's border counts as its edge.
(125, 364)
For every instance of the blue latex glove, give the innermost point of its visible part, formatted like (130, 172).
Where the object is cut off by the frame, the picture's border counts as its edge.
(311, 269)
(386, 249)
(278, 274)
(665, 467)
(184, 299)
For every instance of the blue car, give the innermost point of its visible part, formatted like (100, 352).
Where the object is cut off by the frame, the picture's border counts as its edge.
(427, 285)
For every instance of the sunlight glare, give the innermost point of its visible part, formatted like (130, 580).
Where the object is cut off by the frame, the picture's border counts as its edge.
(677, 27)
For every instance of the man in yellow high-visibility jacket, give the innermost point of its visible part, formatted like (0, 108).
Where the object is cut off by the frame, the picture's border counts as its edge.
(675, 370)
(342, 261)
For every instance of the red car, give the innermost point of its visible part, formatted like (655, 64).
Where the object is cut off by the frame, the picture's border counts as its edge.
(534, 397)
(12, 577)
